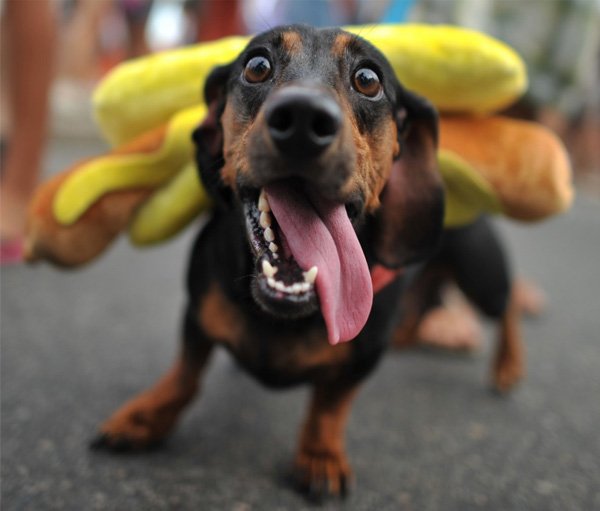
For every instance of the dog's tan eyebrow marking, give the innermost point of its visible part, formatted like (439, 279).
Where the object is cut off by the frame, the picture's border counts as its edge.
(341, 44)
(292, 42)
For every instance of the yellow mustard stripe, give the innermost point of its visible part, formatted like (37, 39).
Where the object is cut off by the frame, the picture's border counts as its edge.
(170, 209)
(468, 194)
(122, 171)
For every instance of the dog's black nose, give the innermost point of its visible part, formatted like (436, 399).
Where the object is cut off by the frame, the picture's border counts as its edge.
(302, 121)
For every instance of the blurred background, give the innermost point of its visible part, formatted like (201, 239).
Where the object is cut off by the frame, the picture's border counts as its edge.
(54, 52)
(68, 357)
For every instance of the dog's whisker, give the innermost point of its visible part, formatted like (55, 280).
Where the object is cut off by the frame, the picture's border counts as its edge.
(264, 20)
(250, 276)
(365, 30)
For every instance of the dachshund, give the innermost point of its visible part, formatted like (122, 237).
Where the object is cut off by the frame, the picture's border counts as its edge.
(328, 202)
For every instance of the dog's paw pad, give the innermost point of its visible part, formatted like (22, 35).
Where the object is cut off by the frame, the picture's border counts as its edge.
(319, 477)
(506, 377)
(121, 444)
(104, 441)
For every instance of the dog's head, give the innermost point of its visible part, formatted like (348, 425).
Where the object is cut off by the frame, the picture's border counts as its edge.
(310, 131)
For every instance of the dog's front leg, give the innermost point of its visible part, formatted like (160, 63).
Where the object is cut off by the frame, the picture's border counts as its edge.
(149, 417)
(321, 467)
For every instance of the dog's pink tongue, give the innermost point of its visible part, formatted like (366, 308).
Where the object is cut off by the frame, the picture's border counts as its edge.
(319, 233)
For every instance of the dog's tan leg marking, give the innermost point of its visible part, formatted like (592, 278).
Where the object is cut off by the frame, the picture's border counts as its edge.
(219, 318)
(149, 417)
(509, 361)
(321, 466)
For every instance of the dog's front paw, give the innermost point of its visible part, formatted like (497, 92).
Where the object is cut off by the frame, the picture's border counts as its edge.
(138, 425)
(322, 475)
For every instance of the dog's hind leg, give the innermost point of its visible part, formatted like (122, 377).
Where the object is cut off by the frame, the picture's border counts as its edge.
(509, 361)
(482, 272)
(148, 418)
(321, 467)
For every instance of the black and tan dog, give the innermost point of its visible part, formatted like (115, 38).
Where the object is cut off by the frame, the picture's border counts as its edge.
(323, 170)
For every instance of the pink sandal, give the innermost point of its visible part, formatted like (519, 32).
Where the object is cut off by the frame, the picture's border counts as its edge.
(11, 251)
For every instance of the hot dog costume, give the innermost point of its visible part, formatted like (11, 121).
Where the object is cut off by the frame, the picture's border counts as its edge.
(148, 186)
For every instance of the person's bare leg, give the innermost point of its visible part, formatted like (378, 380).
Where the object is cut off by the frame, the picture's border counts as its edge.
(29, 31)
(80, 46)
(136, 18)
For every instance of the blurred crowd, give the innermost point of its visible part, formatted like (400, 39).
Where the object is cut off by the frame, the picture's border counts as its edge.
(560, 43)
(55, 51)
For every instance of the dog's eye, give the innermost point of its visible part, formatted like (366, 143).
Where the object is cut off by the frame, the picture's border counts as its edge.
(367, 82)
(258, 69)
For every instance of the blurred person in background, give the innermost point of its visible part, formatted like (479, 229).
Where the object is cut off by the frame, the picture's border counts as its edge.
(216, 18)
(94, 26)
(136, 13)
(97, 35)
(261, 15)
(80, 41)
(27, 48)
(560, 43)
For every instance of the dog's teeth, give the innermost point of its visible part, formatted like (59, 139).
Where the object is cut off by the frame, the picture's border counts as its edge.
(269, 234)
(268, 269)
(265, 220)
(294, 289)
(310, 275)
(273, 247)
(263, 203)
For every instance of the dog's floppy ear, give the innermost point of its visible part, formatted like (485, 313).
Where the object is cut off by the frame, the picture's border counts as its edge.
(409, 223)
(208, 137)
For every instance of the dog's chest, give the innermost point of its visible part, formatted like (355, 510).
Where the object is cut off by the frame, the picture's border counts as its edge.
(274, 354)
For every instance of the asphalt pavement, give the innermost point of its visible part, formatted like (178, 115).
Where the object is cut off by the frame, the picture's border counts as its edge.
(426, 433)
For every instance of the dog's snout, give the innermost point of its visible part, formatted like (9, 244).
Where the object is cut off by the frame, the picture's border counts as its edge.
(302, 122)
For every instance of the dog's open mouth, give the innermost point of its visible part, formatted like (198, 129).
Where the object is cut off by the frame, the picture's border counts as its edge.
(308, 255)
